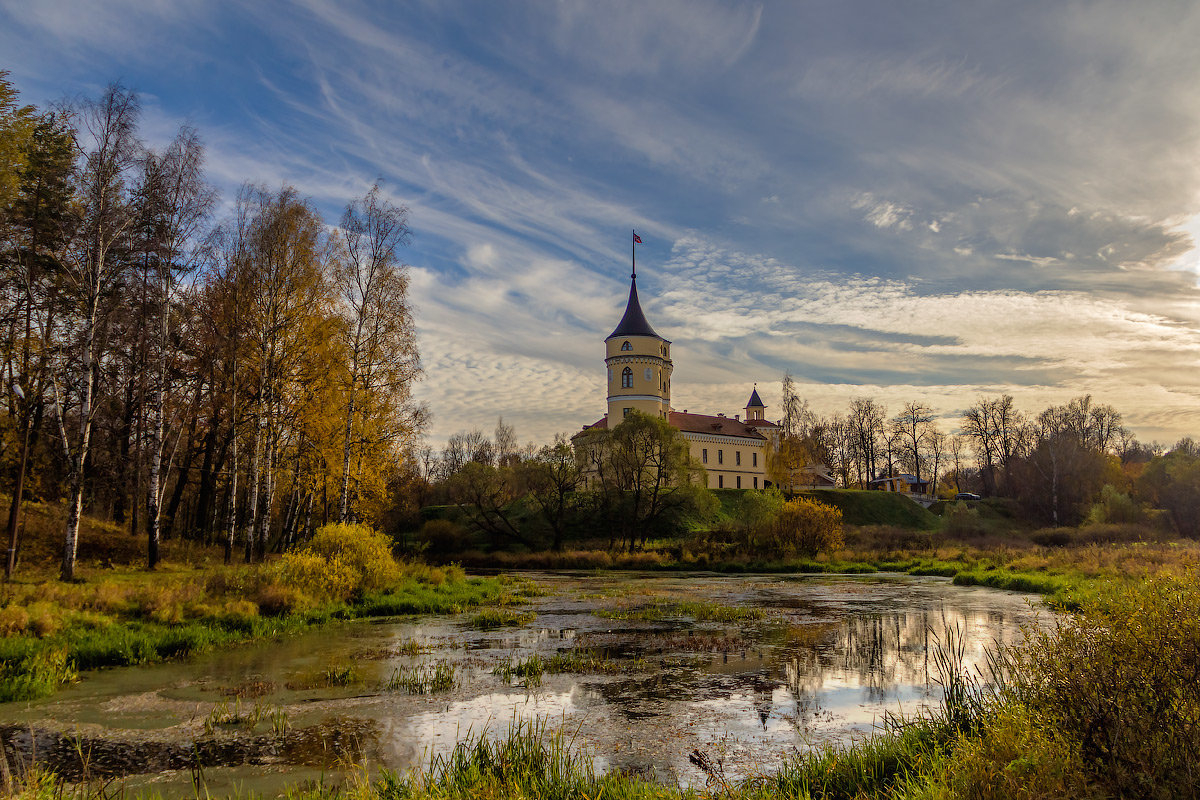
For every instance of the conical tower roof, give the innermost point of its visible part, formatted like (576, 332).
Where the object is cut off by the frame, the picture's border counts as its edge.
(755, 400)
(634, 322)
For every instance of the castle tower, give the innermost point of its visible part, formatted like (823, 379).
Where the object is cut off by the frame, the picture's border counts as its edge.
(754, 407)
(639, 365)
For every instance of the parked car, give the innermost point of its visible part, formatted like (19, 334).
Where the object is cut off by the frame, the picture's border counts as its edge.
(966, 496)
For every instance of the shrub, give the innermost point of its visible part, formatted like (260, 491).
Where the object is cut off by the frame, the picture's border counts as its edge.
(1015, 757)
(1114, 506)
(13, 620)
(367, 552)
(961, 520)
(340, 562)
(1119, 680)
(274, 600)
(806, 526)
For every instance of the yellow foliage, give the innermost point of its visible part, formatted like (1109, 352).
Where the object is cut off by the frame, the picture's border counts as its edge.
(317, 576)
(807, 526)
(44, 619)
(1015, 757)
(365, 551)
(13, 620)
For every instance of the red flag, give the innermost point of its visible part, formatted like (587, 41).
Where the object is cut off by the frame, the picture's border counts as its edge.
(637, 239)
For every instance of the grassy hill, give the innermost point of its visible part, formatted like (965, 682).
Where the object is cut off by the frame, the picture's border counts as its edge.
(876, 508)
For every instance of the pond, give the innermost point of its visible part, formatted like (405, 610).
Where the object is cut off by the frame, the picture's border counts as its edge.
(650, 668)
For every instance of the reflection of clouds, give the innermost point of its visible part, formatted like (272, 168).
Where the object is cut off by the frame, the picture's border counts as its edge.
(417, 738)
(844, 652)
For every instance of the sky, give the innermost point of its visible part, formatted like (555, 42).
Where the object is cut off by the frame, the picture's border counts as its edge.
(907, 201)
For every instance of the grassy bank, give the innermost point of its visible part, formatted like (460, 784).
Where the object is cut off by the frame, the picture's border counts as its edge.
(52, 630)
(1064, 574)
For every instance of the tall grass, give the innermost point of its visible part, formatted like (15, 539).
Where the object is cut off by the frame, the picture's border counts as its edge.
(137, 618)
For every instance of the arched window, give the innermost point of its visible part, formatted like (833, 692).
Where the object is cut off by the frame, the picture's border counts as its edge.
(627, 378)
(626, 345)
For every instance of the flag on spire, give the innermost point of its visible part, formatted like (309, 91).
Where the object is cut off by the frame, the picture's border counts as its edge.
(636, 239)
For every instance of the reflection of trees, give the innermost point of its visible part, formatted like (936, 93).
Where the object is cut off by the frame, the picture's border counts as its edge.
(881, 652)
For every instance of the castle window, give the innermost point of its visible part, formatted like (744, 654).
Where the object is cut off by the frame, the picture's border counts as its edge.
(756, 483)
(626, 345)
(720, 480)
(739, 481)
(627, 378)
(704, 456)
(737, 457)
(649, 374)
(625, 412)
(754, 457)
(720, 456)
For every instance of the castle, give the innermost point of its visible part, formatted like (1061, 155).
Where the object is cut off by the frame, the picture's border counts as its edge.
(732, 450)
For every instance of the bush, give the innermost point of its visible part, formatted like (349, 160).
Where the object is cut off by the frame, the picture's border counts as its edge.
(1119, 680)
(1114, 507)
(13, 620)
(962, 521)
(803, 526)
(1015, 757)
(338, 563)
(365, 551)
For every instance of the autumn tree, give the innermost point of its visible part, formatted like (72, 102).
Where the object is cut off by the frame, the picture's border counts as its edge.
(288, 322)
(38, 224)
(801, 444)
(377, 331)
(551, 478)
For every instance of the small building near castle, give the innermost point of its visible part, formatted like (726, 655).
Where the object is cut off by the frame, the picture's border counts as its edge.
(733, 450)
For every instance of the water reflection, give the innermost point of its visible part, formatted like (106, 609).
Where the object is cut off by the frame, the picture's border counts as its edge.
(832, 658)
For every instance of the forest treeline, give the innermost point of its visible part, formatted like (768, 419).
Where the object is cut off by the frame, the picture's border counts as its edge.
(235, 372)
(1062, 466)
(240, 373)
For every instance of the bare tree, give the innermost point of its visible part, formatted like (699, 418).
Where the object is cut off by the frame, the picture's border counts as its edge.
(91, 277)
(865, 419)
(910, 430)
(505, 443)
(174, 202)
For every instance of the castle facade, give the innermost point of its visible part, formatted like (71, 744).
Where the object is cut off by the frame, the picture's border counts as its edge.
(732, 450)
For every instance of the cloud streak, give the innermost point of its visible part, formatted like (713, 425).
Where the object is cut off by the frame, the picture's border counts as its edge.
(904, 203)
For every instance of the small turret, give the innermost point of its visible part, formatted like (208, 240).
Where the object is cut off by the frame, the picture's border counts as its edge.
(755, 408)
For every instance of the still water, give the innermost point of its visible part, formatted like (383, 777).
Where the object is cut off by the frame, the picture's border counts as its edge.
(831, 656)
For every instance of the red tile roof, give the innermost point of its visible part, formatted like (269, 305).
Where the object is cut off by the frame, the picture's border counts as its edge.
(722, 426)
(704, 423)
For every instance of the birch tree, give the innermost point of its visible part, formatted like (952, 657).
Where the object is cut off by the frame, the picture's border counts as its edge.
(91, 277)
(380, 340)
(174, 203)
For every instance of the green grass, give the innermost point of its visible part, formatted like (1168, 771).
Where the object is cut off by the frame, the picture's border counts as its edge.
(861, 507)
(423, 678)
(700, 611)
(32, 667)
(494, 618)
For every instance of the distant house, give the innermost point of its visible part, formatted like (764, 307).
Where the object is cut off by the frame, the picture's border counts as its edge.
(901, 482)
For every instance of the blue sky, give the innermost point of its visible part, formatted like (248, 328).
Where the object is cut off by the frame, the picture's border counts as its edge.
(905, 201)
